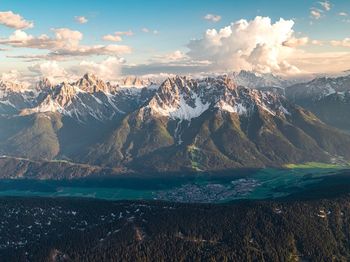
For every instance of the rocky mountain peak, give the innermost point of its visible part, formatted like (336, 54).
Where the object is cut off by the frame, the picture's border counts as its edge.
(256, 80)
(43, 84)
(185, 98)
(134, 81)
(319, 88)
(92, 84)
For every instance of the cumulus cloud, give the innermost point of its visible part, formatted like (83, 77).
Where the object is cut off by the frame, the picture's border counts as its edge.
(258, 45)
(51, 70)
(212, 18)
(108, 69)
(117, 36)
(65, 44)
(11, 76)
(81, 19)
(15, 21)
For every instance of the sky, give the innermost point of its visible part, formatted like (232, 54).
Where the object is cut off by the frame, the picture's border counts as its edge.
(64, 39)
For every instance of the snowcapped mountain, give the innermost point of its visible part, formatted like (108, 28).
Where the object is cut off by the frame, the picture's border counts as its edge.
(87, 98)
(14, 97)
(319, 88)
(260, 81)
(211, 123)
(184, 99)
(326, 97)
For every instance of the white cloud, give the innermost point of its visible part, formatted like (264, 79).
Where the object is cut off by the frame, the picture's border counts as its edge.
(343, 14)
(112, 38)
(177, 55)
(81, 19)
(257, 45)
(147, 30)
(326, 5)
(11, 76)
(126, 33)
(13, 20)
(295, 42)
(117, 36)
(170, 57)
(323, 62)
(317, 42)
(315, 13)
(51, 70)
(343, 43)
(212, 18)
(65, 44)
(108, 69)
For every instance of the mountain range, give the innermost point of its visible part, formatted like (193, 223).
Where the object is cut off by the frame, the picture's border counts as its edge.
(239, 120)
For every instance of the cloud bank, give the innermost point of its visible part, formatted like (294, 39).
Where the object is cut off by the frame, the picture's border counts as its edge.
(64, 44)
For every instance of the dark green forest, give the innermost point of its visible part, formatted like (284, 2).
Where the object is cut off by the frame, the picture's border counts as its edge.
(58, 229)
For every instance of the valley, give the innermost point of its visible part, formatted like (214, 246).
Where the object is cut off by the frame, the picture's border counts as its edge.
(186, 187)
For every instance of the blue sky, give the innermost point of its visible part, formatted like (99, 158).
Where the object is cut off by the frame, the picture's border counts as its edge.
(171, 25)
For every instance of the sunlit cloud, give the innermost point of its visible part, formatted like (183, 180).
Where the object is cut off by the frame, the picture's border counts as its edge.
(343, 43)
(117, 36)
(258, 45)
(65, 44)
(295, 42)
(315, 13)
(15, 21)
(81, 19)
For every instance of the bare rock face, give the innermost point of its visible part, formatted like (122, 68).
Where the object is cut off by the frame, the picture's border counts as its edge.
(92, 84)
(182, 98)
(86, 99)
(133, 81)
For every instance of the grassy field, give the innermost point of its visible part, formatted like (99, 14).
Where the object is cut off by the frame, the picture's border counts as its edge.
(317, 165)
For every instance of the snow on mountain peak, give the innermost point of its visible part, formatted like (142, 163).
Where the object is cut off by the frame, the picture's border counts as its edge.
(92, 84)
(183, 98)
(256, 80)
(319, 87)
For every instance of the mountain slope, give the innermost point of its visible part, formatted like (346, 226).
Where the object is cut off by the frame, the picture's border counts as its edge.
(36, 139)
(212, 124)
(327, 98)
(87, 110)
